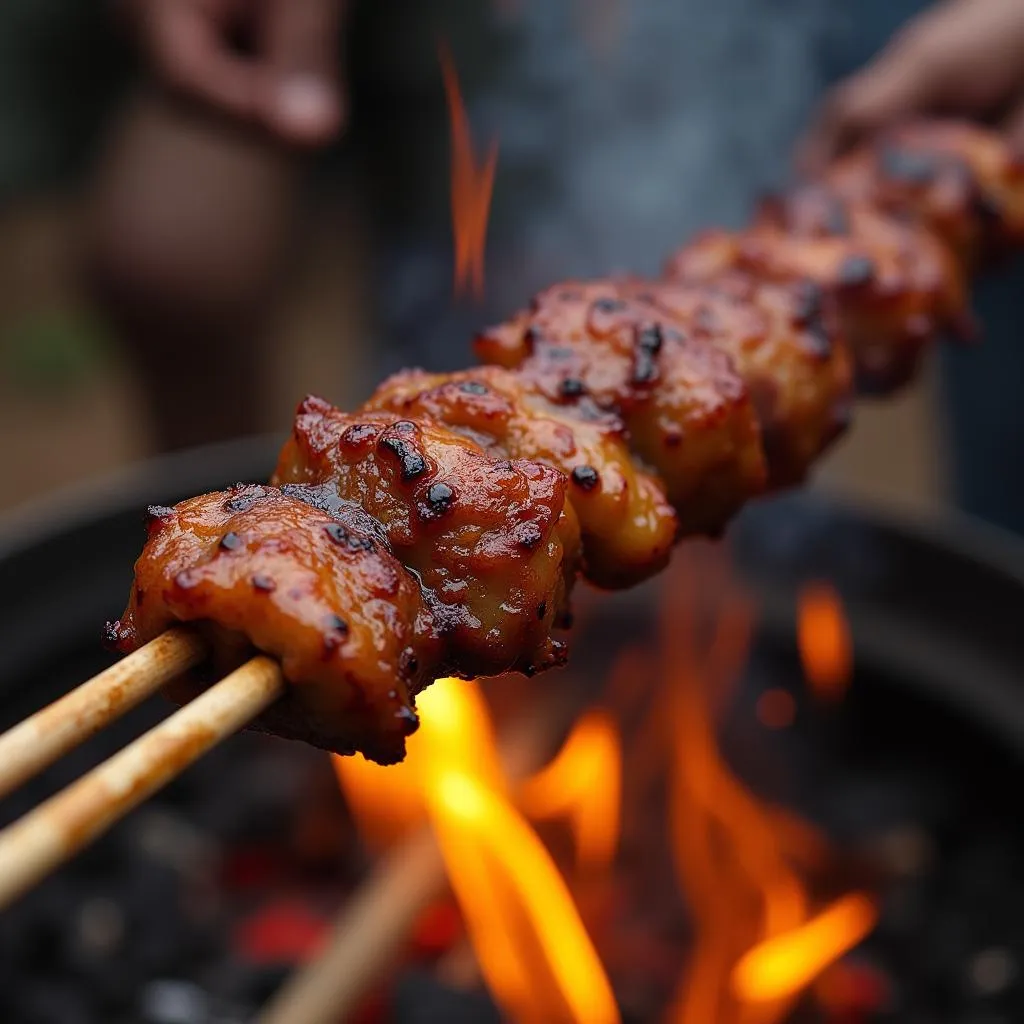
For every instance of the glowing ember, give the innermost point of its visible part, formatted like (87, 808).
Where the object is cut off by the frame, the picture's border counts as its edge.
(785, 964)
(824, 640)
(583, 784)
(471, 186)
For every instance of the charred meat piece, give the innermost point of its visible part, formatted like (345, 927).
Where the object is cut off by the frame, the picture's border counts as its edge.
(627, 523)
(688, 413)
(315, 585)
(493, 540)
(894, 285)
(785, 346)
(961, 180)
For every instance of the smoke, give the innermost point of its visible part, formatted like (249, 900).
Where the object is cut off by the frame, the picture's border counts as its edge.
(611, 157)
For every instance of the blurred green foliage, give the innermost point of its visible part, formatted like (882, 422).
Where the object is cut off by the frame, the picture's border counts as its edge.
(53, 351)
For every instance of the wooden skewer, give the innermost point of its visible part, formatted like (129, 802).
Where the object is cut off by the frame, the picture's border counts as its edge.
(40, 740)
(43, 839)
(373, 925)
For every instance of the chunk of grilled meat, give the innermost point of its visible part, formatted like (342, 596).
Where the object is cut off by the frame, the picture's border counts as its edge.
(317, 587)
(627, 523)
(786, 347)
(961, 180)
(687, 411)
(493, 540)
(894, 284)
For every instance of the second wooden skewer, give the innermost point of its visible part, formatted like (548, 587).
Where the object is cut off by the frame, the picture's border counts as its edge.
(44, 838)
(37, 742)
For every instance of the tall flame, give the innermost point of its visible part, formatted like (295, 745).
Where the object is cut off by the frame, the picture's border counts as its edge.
(526, 932)
(471, 186)
(824, 640)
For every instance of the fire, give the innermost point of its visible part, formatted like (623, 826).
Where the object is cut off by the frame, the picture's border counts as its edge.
(761, 937)
(547, 969)
(471, 186)
(824, 640)
(583, 784)
(527, 935)
(757, 943)
(787, 963)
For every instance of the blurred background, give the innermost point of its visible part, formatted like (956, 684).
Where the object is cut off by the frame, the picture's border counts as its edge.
(167, 279)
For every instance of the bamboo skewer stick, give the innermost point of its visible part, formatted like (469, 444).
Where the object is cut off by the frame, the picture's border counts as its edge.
(43, 839)
(37, 742)
(373, 925)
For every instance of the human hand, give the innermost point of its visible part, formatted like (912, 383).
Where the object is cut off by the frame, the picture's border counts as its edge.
(285, 78)
(963, 57)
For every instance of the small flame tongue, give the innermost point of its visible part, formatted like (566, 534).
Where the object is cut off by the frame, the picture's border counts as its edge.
(471, 187)
(757, 944)
(824, 640)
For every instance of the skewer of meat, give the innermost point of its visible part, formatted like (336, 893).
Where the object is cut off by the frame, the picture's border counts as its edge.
(618, 416)
(439, 530)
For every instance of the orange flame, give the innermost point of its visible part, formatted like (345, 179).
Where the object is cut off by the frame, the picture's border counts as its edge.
(526, 932)
(785, 964)
(471, 186)
(735, 854)
(824, 640)
(492, 855)
(583, 784)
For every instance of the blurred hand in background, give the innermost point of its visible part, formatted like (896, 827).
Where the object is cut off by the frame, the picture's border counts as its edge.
(195, 206)
(961, 58)
(268, 62)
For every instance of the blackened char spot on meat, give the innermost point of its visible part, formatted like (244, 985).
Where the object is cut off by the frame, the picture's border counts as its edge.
(585, 477)
(648, 340)
(157, 514)
(342, 536)
(336, 623)
(855, 272)
(324, 498)
(408, 664)
(542, 609)
(230, 541)
(808, 305)
(908, 165)
(817, 340)
(440, 497)
(529, 535)
(473, 387)
(264, 583)
(408, 718)
(412, 462)
(246, 499)
(571, 387)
